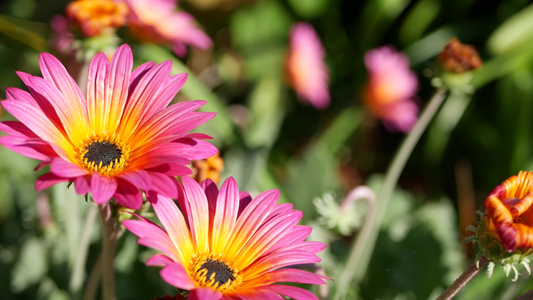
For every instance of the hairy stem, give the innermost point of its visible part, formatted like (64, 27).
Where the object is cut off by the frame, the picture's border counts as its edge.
(460, 282)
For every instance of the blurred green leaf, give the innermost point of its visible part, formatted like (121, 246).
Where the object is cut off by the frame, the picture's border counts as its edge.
(512, 33)
(31, 265)
(311, 175)
(260, 33)
(308, 9)
(267, 112)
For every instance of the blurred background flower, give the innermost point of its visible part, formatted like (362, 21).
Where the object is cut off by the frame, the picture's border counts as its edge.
(308, 74)
(391, 88)
(158, 21)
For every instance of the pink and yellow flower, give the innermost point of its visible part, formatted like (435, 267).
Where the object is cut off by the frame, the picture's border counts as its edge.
(119, 138)
(157, 21)
(509, 214)
(224, 245)
(391, 87)
(308, 74)
(96, 17)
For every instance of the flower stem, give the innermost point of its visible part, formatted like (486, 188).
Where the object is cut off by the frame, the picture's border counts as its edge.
(361, 192)
(460, 282)
(362, 248)
(108, 251)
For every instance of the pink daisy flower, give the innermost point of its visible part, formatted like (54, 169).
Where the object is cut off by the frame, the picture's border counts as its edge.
(391, 88)
(119, 138)
(157, 21)
(224, 245)
(308, 74)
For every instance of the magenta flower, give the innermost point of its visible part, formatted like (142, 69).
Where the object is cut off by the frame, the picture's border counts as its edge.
(308, 74)
(120, 138)
(391, 88)
(157, 21)
(224, 245)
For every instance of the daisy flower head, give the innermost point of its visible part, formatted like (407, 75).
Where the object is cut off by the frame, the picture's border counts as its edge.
(157, 21)
(308, 74)
(118, 139)
(390, 89)
(222, 244)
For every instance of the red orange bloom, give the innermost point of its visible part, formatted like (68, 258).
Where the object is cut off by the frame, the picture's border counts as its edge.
(221, 244)
(509, 214)
(391, 88)
(97, 16)
(158, 21)
(119, 138)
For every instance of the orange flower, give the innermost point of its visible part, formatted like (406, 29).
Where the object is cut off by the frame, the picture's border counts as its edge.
(97, 16)
(509, 214)
(208, 168)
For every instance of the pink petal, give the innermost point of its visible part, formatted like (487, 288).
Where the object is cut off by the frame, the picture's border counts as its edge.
(66, 169)
(199, 213)
(152, 236)
(54, 71)
(82, 184)
(176, 275)
(159, 260)
(37, 149)
(172, 219)
(139, 178)
(194, 149)
(204, 294)
(287, 275)
(128, 195)
(102, 187)
(36, 121)
(47, 180)
(267, 235)
(251, 219)
(211, 193)
(227, 206)
(291, 291)
(164, 184)
(117, 82)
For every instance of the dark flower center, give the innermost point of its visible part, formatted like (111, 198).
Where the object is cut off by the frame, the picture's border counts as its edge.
(223, 273)
(103, 152)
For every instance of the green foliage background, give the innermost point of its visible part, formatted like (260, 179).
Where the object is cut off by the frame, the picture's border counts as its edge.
(475, 141)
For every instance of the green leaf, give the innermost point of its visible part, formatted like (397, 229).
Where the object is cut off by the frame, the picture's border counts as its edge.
(308, 9)
(310, 176)
(267, 112)
(514, 32)
(31, 265)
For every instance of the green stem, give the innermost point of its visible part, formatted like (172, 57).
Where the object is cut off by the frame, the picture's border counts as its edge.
(362, 249)
(460, 282)
(81, 258)
(108, 251)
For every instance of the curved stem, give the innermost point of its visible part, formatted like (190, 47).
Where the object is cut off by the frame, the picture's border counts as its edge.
(460, 282)
(362, 249)
(361, 192)
(108, 251)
